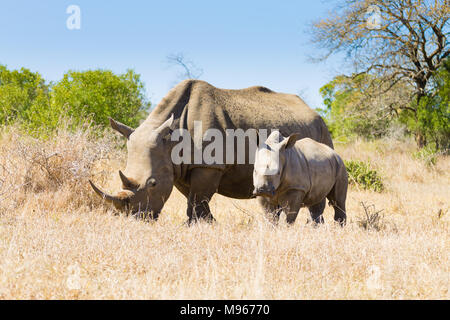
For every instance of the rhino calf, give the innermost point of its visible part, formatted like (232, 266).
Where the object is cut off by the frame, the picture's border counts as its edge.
(291, 173)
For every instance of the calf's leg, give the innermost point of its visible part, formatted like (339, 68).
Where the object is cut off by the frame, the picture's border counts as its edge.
(317, 210)
(291, 202)
(337, 198)
(271, 210)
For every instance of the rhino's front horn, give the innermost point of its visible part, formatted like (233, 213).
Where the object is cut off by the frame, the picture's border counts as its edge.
(115, 200)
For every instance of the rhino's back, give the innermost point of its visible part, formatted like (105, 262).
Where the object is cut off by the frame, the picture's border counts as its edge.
(314, 151)
(259, 105)
(255, 107)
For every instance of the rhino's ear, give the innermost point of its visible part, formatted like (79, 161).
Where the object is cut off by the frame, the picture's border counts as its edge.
(273, 140)
(166, 128)
(125, 130)
(290, 141)
(257, 138)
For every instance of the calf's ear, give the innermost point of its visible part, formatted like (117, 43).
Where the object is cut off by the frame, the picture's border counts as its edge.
(289, 142)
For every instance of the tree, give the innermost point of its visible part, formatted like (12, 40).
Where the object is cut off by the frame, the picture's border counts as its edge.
(351, 111)
(407, 44)
(19, 91)
(432, 115)
(95, 94)
(190, 70)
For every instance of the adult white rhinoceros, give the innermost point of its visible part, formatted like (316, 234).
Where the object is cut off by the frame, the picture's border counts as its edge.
(150, 173)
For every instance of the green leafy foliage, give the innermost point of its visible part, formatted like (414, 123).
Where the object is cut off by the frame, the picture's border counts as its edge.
(353, 108)
(349, 112)
(431, 117)
(428, 154)
(91, 95)
(363, 175)
(96, 94)
(20, 90)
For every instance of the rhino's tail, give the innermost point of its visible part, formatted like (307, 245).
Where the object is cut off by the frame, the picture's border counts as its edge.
(326, 136)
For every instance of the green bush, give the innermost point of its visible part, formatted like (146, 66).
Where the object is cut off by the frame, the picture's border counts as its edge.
(20, 90)
(431, 118)
(368, 106)
(94, 94)
(349, 113)
(427, 154)
(79, 96)
(363, 175)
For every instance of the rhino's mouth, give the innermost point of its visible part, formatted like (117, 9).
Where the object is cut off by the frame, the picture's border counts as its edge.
(264, 193)
(123, 202)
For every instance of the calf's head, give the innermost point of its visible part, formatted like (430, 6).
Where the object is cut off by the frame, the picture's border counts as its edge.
(270, 160)
(148, 178)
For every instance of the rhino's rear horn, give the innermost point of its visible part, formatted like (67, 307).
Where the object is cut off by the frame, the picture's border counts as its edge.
(125, 130)
(127, 183)
(114, 200)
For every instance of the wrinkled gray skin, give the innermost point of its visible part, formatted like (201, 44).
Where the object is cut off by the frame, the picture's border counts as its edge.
(303, 173)
(150, 175)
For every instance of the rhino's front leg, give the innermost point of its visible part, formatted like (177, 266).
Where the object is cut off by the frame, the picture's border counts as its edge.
(204, 183)
(291, 202)
(272, 210)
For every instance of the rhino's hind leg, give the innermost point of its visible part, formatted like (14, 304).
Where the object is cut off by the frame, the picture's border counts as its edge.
(203, 184)
(316, 211)
(337, 197)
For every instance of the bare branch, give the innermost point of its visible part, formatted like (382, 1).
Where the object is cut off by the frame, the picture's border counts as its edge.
(409, 44)
(190, 70)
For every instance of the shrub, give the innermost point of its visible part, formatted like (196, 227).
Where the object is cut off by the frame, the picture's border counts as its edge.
(20, 90)
(372, 220)
(427, 154)
(363, 175)
(367, 106)
(56, 170)
(96, 95)
(429, 119)
(92, 95)
(350, 111)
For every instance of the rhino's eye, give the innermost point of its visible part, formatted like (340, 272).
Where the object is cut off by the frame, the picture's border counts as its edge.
(151, 182)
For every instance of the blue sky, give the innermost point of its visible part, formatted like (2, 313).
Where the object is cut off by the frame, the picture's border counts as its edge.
(237, 43)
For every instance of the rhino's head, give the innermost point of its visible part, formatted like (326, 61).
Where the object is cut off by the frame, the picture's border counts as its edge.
(270, 160)
(148, 178)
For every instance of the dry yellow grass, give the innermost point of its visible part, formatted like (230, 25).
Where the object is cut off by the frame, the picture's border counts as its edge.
(58, 240)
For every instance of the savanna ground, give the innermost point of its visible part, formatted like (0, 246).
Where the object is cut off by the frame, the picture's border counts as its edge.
(58, 240)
